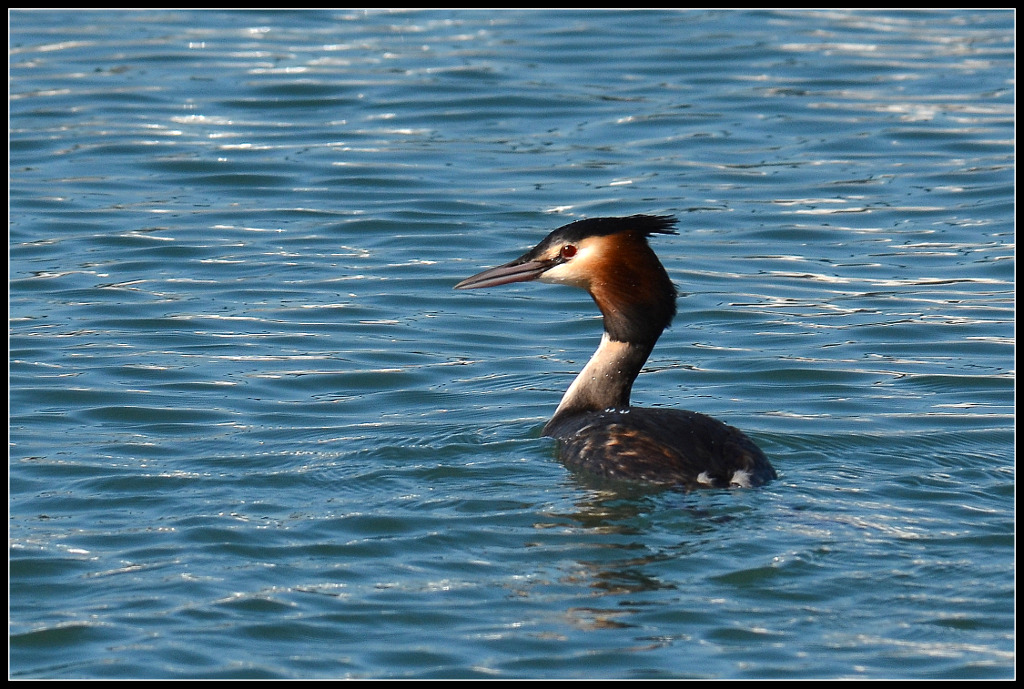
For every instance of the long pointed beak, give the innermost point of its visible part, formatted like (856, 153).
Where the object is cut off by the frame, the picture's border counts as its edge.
(515, 271)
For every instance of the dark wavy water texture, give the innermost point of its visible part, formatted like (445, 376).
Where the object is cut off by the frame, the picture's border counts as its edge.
(255, 433)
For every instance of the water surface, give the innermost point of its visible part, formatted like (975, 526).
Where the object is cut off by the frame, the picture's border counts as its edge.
(255, 433)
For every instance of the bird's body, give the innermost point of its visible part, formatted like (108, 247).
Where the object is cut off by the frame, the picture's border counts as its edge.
(597, 429)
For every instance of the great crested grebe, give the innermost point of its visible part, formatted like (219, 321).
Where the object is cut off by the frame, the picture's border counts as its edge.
(596, 428)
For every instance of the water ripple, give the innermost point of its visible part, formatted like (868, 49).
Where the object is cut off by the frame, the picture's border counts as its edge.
(255, 433)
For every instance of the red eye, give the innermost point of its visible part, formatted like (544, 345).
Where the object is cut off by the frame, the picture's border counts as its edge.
(568, 251)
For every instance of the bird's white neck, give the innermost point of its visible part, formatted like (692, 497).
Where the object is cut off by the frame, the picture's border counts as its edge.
(607, 379)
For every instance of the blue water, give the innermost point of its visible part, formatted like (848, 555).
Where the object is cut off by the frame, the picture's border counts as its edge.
(255, 433)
